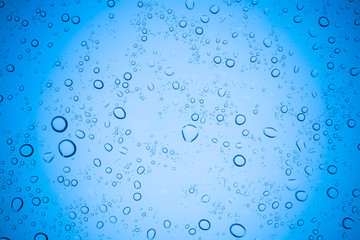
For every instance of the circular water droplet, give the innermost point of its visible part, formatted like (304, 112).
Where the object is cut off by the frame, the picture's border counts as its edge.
(199, 30)
(26, 150)
(59, 124)
(301, 196)
(275, 73)
(190, 133)
(239, 160)
(351, 123)
(67, 148)
(41, 236)
(354, 72)
(204, 224)
(16, 204)
(323, 21)
(217, 60)
(332, 192)
(270, 132)
(98, 84)
(151, 233)
(348, 223)
(127, 76)
(182, 23)
(267, 42)
(240, 119)
(214, 9)
(237, 230)
(119, 113)
(230, 63)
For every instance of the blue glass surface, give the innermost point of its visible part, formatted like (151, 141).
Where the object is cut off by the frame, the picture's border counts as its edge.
(187, 119)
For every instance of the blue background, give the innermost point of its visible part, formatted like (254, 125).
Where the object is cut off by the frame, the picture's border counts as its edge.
(185, 74)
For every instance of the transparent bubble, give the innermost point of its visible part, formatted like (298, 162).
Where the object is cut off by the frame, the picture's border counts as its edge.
(237, 230)
(16, 204)
(204, 224)
(59, 124)
(240, 119)
(67, 148)
(301, 196)
(26, 150)
(119, 113)
(270, 132)
(98, 84)
(239, 160)
(151, 233)
(190, 133)
(324, 21)
(214, 9)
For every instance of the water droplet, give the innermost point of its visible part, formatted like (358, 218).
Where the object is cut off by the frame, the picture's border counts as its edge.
(270, 132)
(151, 233)
(41, 236)
(332, 192)
(351, 123)
(119, 113)
(239, 160)
(348, 223)
(301, 196)
(98, 84)
(182, 23)
(26, 150)
(167, 224)
(80, 134)
(199, 30)
(230, 63)
(217, 60)
(240, 119)
(16, 204)
(237, 230)
(214, 9)
(190, 133)
(67, 148)
(267, 42)
(190, 4)
(59, 124)
(204, 224)
(275, 73)
(169, 71)
(324, 22)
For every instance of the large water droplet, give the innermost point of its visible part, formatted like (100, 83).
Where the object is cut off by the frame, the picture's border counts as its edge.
(270, 132)
(239, 160)
(240, 119)
(204, 224)
(16, 204)
(237, 230)
(190, 133)
(151, 233)
(119, 113)
(59, 124)
(26, 150)
(67, 148)
(190, 4)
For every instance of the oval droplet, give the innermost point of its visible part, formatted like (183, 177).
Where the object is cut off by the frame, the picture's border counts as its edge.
(237, 230)
(239, 160)
(270, 132)
(119, 113)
